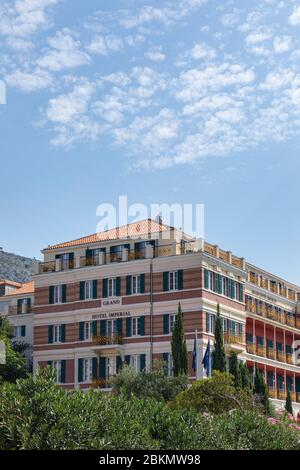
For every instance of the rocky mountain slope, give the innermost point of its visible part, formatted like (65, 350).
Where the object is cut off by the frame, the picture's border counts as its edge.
(16, 268)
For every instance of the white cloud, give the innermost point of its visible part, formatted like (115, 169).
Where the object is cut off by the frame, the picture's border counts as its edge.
(155, 54)
(102, 45)
(258, 37)
(64, 53)
(66, 107)
(294, 19)
(29, 81)
(276, 80)
(203, 51)
(23, 18)
(282, 44)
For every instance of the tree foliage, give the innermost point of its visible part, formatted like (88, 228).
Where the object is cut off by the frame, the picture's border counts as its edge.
(38, 414)
(178, 344)
(288, 403)
(216, 395)
(15, 366)
(154, 384)
(260, 390)
(218, 355)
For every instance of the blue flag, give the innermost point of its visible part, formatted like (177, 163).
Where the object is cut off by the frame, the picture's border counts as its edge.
(194, 365)
(207, 360)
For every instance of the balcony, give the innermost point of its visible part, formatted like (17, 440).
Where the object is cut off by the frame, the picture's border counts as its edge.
(271, 353)
(293, 396)
(290, 321)
(289, 358)
(272, 392)
(280, 356)
(251, 348)
(272, 315)
(281, 395)
(108, 340)
(56, 265)
(19, 310)
(100, 382)
(261, 350)
(234, 342)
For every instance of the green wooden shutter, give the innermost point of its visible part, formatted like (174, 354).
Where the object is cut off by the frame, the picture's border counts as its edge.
(80, 370)
(23, 330)
(128, 285)
(64, 293)
(51, 295)
(102, 367)
(81, 290)
(220, 283)
(95, 289)
(50, 334)
(180, 279)
(94, 367)
(142, 326)
(81, 331)
(49, 363)
(142, 283)
(119, 364)
(119, 326)
(63, 371)
(102, 327)
(205, 278)
(63, 333)
(241, 293)
(118, 286)
(142, 362)
(128, 326)
(166, 324)
(127, 359)
(94, 328)
(104, 288)
(166, 281)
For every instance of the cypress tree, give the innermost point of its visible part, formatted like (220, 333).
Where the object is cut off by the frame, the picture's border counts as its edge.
(235, 370)
(218, 355)
(288, 403)
(179, 349)
(245, 376)
(260, 389)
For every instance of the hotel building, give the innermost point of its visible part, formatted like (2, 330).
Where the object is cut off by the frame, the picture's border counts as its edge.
(111, 298)
(16, 304)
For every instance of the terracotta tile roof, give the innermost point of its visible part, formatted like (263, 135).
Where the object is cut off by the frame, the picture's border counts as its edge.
(135, 229)
(7, 282)
(26, 288)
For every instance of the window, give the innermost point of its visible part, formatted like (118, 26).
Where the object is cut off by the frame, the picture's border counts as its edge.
(57, 334)
(88, 290)
(210, 323)
(111, 327)
(173, 280)
(135, 362)
(57, 294)
(112, 287)
(57, 367)
(136, 284)
(19, 331)
(136, 326)
(23, 306)
(172, 319)
(87, 370)
(88, 330)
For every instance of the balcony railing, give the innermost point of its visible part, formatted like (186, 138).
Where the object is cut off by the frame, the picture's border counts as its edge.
(19, 310)
(290, 321)
(106, 340)
(100, 382)
(233, 339)
(289, 358)
(261, 350)
(272, 392)
(250, 348)
(271, 353)
(281, 394)
(280, 356)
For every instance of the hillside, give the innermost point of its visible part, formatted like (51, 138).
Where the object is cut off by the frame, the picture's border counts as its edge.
(16, 268)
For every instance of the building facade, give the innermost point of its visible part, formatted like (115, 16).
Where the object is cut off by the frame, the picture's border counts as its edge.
(111, 298)
(16, 304)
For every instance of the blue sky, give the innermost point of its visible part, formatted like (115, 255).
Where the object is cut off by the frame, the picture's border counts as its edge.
(188, 101)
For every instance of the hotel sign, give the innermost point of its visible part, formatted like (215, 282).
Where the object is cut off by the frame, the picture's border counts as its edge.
(108, 315)
(113, 301)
